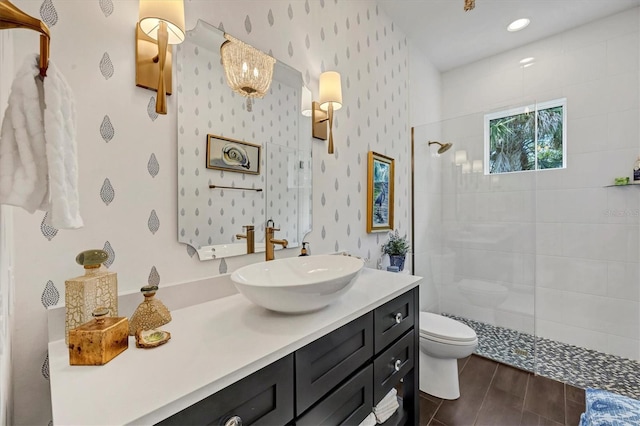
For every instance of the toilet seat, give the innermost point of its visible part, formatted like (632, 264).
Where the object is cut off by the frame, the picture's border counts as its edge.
(445, 330)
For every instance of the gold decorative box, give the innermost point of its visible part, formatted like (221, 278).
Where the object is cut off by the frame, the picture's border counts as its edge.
(97, 287)
(98, 341)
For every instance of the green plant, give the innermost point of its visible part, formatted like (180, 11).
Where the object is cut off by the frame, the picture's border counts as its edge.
(396, 245)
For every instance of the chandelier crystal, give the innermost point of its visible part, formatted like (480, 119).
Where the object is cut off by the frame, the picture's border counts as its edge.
(249, 71)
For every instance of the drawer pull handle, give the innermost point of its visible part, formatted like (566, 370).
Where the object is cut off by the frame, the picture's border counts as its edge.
(398, 317)
(397, 365)
(234, 421)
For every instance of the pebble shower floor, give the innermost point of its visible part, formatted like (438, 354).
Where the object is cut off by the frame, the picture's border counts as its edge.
(559, 361)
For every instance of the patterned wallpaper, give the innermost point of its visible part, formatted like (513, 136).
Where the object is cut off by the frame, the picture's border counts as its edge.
(127, 153)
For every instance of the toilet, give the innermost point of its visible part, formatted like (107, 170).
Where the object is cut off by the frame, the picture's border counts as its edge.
(442, 342)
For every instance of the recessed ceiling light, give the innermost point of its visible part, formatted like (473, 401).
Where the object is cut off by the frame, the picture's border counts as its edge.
(518, 24)
(527, 60)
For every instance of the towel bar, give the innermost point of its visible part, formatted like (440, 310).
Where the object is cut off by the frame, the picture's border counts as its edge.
(12, 17)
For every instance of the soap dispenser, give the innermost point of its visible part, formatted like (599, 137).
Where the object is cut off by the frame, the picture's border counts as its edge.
(98, 287)
(304, 252)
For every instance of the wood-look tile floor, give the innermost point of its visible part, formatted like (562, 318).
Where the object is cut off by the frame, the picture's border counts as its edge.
(494, 394)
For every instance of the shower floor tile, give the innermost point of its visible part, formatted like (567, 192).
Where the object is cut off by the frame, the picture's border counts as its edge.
(580, 367)
(495, 394)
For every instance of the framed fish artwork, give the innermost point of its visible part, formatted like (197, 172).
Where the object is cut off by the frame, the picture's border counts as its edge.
(233, 155)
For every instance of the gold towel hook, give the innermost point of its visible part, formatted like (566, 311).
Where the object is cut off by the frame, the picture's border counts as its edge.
(12, 17)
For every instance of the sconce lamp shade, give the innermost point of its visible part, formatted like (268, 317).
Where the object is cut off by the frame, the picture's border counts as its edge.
(460, 157)
(330, 90)
(306, 102)
(169, 11)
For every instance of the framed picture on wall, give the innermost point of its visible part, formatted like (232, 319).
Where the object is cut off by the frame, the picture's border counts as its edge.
(233, 155)
(380, 175)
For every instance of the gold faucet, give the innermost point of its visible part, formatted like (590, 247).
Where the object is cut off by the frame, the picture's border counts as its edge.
(271, 242)
(249, 235)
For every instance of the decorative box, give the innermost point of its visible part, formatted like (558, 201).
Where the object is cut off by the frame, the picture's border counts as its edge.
(98, 287)
(98, 341)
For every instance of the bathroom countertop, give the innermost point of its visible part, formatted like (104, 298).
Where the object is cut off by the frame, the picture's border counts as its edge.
(213, 345)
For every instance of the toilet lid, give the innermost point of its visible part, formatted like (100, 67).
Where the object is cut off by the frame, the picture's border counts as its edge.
(445, 328)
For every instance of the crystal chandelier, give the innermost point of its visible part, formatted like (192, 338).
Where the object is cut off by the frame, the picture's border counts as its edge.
(249, 71)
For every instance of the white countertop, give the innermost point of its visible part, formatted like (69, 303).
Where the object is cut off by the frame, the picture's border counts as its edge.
(213, 345)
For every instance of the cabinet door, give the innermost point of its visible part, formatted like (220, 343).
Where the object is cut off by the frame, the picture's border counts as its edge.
(263, 398)
(349, 404)
(391, 365)
(323, 364)
(393, 319)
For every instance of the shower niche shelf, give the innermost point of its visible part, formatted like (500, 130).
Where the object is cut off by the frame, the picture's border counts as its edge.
(636, 184)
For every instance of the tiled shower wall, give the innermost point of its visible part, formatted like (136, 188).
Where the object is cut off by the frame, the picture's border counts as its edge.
(559, 235)
(128, 154)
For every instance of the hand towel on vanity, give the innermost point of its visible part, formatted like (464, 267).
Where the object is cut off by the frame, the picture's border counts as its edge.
(370, 420)
(38, 158)
(387, 407)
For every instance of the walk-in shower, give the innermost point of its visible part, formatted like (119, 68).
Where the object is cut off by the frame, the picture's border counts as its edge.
(543, 263)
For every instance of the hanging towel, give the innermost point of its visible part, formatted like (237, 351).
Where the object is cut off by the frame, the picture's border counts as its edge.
(387, 407)
(38, 158)
(370, 420)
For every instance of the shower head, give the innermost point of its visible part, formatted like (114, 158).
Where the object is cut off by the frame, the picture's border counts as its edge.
(443, 147)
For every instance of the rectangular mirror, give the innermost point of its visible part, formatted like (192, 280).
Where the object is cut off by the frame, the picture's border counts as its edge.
(215, 203)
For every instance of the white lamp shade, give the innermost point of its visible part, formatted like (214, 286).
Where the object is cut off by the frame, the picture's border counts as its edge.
(466, 167)
(477, 166)
(330, 90)
(306, 102)
(460, 157)
(170, 11)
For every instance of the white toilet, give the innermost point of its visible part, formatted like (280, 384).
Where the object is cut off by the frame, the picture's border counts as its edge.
(442, 342)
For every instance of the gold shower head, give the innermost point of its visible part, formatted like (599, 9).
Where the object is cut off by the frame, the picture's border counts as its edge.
(443, 147)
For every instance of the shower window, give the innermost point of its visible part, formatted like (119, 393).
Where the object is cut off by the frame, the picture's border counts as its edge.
(531, 137)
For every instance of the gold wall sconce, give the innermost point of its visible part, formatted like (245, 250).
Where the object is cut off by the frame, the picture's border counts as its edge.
(249, 71)
(330, 101)
(161, 24)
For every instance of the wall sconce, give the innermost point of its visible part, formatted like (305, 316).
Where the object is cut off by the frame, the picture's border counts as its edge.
(161, 23)
(249, 71)
(330, 101)
(460, 157)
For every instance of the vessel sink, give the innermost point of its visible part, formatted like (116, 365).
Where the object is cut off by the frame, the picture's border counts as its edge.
(297, 284)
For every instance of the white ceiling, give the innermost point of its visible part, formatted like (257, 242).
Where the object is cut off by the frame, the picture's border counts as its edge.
(451, 37)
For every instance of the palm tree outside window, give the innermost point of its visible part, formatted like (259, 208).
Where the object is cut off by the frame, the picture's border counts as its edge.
(532, 137)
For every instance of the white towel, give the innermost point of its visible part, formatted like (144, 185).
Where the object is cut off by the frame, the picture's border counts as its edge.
(370, 420)
(38, 158)
(387, 406)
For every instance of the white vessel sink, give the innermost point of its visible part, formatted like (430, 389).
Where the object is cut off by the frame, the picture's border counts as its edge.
(297, 284)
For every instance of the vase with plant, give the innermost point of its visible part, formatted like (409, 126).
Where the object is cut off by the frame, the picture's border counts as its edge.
(396, 247)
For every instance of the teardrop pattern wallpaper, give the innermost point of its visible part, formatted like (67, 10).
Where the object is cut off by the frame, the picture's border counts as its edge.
(127, 152)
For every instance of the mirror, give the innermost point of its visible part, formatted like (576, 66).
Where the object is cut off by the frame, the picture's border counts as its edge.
(214, 204)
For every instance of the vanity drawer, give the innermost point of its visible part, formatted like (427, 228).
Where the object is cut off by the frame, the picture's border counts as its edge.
(393, 319)
(323, 364)
(263, 398)
(347, 405)
(391, 365)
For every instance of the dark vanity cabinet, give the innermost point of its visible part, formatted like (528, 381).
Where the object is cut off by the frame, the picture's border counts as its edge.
(335, 380)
